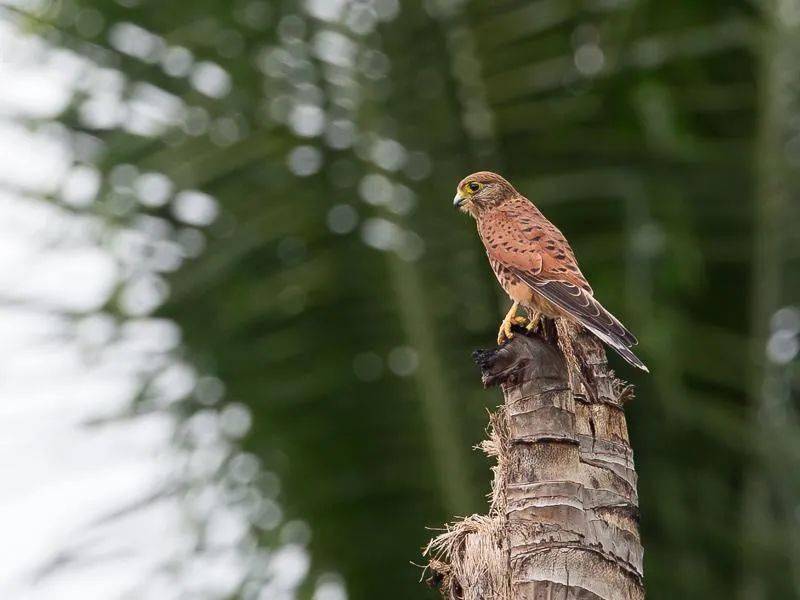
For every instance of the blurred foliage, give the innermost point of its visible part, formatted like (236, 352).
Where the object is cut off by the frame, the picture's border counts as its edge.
(339, 295)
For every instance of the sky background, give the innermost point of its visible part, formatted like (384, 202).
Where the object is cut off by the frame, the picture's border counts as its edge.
(84, 507)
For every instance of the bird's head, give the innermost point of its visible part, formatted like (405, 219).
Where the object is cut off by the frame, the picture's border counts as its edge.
(481, 191)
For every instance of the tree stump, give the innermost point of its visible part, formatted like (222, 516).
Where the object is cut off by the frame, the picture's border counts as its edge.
(563, 520)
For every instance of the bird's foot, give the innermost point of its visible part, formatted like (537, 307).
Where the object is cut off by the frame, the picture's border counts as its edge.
(533, 322)
(529, 324)
(505, 332)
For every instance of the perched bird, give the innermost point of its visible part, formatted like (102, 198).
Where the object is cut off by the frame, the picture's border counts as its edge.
(534, 263)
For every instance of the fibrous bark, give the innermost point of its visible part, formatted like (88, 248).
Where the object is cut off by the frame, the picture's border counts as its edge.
(563, 520)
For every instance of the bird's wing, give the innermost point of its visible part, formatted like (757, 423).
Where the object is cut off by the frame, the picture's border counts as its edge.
(521, 239)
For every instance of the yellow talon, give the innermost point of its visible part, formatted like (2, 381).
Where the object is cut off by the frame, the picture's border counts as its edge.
(505, 332)
(533, 322)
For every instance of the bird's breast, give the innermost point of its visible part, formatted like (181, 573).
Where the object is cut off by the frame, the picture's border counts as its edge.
(513, 285)
(521, 292)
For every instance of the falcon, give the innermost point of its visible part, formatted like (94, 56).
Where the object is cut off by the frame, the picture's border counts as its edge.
(534, 263)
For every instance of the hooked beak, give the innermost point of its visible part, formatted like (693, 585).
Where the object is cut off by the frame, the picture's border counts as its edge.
(458, 201)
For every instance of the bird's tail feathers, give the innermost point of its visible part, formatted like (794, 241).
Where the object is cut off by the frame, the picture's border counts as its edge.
(619, 347)
(579, 303)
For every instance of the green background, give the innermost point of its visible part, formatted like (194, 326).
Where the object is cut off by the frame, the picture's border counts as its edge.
(339, 294)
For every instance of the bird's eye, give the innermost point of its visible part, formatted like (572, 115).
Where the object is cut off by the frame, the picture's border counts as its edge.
(474, 186)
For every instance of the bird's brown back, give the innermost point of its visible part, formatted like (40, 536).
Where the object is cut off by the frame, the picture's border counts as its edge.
(516, 233)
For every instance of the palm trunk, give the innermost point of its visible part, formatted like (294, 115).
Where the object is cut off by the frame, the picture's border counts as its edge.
(563, 522)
